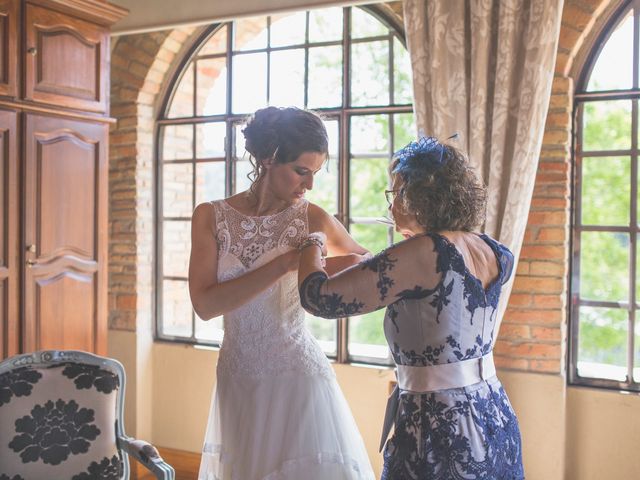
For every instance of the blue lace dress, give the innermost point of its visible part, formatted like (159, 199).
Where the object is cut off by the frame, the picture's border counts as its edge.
(453, 420)
(458, 433)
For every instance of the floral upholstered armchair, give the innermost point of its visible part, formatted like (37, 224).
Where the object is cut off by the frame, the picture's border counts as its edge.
(61, 417)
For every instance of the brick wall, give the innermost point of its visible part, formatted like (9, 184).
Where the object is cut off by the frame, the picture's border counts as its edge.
(532, 335)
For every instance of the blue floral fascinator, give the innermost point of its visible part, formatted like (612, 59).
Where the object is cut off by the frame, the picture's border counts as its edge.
(425, 154)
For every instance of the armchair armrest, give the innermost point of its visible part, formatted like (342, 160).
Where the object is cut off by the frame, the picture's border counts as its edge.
(148, 455)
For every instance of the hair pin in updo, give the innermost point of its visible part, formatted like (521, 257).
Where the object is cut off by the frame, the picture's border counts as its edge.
(427, 153)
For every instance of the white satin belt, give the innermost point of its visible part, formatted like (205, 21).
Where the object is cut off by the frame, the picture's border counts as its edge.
(446, 375)
(432, 378)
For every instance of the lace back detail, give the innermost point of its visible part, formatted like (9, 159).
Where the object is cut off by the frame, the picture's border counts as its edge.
(249, 238)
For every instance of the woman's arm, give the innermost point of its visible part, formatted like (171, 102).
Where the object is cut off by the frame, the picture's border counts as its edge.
(339, 242)
(210, 298)
(404, 270)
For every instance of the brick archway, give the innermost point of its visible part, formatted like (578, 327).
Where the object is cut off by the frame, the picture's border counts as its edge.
(140, 66)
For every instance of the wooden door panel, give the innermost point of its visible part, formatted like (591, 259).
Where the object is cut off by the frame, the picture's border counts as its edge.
(66, 60)
(65, 233)
(64, 303)
(9, 314)
(8, 47)
(67, 159)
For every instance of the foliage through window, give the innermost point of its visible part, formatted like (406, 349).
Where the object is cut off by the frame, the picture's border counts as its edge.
(605, 333)
(349, 64)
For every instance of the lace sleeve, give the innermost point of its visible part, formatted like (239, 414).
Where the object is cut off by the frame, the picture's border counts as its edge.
(404, 270)
(506, 263)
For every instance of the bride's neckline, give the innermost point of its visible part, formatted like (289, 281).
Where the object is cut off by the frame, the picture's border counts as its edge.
(293, 205)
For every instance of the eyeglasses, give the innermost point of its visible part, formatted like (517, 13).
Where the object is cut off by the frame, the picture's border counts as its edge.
(390, 195)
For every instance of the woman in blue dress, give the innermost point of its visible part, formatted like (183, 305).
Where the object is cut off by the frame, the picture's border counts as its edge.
(441, 287)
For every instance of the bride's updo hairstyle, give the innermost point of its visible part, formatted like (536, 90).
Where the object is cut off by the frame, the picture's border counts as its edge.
(283, 134)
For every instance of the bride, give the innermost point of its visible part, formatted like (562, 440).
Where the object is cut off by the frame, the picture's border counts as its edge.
(277, 412)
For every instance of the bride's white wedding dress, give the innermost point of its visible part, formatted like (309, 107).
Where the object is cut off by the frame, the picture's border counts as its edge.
(277, 412)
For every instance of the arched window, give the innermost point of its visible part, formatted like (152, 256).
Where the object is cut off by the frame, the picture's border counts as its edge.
(351, 65)
(605, 286)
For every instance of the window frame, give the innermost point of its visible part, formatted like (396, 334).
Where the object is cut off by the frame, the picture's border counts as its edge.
(341, 114)
(582, 97)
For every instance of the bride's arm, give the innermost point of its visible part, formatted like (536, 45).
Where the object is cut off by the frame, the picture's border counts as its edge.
(339, 242)
(343, 250)
(211, 298)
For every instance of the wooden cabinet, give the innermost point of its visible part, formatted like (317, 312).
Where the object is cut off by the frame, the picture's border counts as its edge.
(65, 60)
(9, 235)
(9, 47)
(54, 128)
(65, 282)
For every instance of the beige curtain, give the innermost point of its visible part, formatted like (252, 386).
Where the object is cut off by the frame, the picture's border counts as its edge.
(484, 68)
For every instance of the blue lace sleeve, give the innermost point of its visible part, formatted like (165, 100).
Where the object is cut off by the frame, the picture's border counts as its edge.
(506, 263)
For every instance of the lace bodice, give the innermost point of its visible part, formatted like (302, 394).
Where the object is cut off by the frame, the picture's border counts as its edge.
(267, 335)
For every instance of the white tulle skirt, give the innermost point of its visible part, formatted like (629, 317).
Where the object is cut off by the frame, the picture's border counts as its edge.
(285, 427)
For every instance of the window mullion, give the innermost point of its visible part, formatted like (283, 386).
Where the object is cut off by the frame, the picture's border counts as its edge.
(633, 235)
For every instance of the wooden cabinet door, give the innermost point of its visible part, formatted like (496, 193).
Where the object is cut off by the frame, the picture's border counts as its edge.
(66, 60)
(8, 47)
(9, 312)
(65, 216)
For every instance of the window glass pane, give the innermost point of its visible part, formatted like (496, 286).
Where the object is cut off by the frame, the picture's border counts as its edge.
(325, 25)
(250, 34)
(607, 125)
(404, 130)
(176, 245)
(176, 308)
(614, 68)
(369, 135)
(325, 77)
(365, 25)
(177, 190)
(212, 86)
(287, 78)
(288, 29)
(366, 336)
(325, 331)
(374, 237)
(604, 280)
(606, 190)
(368, 180)
(242, 165)
(369, 165)
(211, 330)
(602, 350)
(402, 87)
(325, 184)
(210, 181)
(243, 170)
(177, 142)
(217, 43)
(182, 100)
(370, 73)
(249, 82)
(210, 140)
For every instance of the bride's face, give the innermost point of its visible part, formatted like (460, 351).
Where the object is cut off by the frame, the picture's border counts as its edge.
(290, 181)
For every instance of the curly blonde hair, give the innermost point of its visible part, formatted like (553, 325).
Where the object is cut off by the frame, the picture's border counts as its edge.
(443, 192)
